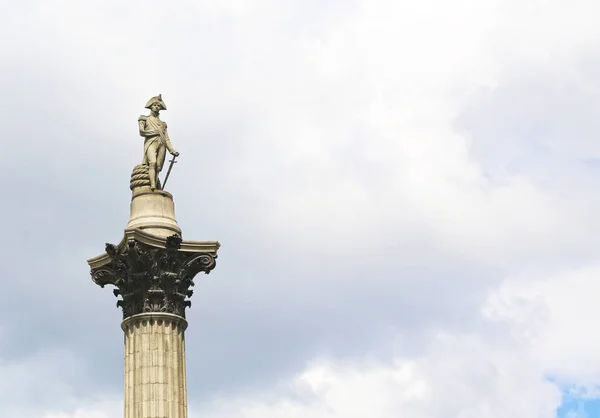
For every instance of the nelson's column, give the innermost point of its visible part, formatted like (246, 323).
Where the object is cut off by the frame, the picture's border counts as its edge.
(152, 270)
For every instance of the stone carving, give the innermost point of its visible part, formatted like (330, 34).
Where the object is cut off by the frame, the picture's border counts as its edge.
(140, 178)
(156, 142)
(151, 279)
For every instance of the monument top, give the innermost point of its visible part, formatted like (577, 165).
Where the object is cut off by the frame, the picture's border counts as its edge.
(152, 267)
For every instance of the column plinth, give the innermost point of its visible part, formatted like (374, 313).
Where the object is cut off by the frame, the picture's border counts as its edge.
(153, 212)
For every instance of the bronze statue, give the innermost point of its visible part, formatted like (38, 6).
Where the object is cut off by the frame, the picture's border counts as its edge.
(156, 140)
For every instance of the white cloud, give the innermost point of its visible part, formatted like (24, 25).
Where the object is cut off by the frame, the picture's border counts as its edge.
(91, 409)
(538, 328)
(458, 375)
(562, 332)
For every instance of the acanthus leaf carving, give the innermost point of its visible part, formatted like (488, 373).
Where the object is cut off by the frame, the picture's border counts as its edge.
(151, 279)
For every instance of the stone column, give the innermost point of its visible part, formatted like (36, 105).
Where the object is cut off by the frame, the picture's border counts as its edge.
(155, 383)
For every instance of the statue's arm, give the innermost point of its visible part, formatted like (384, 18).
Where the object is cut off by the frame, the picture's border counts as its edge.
(142, 127)
(168, 142)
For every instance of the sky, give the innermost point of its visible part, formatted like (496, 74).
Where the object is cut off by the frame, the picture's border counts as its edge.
(406, 194)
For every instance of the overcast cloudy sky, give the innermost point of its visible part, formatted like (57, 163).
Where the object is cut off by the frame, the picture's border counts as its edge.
(407, 194)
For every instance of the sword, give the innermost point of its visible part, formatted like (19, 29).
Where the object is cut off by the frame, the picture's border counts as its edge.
(172, 161)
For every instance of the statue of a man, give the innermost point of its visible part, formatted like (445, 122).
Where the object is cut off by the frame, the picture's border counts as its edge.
(156, 140)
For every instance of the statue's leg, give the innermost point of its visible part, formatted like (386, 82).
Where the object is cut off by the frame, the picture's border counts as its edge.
(152, 172)
(160, 159)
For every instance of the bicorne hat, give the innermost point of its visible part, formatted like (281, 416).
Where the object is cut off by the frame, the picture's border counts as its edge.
(156, 99)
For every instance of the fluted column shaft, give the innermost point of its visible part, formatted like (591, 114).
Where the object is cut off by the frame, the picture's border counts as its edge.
(155, 380)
